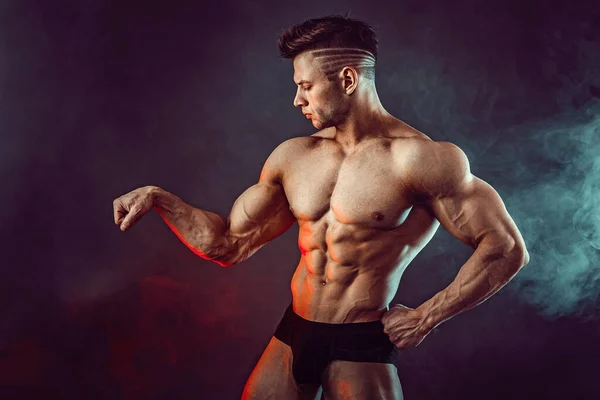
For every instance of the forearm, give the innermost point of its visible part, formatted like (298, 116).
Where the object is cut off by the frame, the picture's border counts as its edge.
(486, 272)
(203, 232)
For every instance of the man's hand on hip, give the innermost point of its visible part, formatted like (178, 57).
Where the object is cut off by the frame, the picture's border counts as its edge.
(404, 326)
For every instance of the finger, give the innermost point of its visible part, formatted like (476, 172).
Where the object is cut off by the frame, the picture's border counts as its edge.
(405, 343)
(121, 216)
(118, 211)
(129, 220)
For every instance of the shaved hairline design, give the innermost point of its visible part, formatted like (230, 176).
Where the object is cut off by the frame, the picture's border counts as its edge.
(333, 59)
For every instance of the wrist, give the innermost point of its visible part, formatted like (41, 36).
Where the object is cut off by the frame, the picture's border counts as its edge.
(428, 321)
(155, 193)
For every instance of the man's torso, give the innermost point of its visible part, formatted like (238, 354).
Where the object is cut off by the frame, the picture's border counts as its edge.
(359, 222)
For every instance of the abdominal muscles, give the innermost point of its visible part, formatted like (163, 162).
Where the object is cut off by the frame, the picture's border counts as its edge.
(350, 272)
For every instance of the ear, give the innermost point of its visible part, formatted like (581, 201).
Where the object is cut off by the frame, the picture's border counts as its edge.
(350, 79)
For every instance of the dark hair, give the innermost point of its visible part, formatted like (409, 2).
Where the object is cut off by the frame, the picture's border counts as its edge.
(333, 31)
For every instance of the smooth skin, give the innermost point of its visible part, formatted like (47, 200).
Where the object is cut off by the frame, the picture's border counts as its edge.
(368, 192)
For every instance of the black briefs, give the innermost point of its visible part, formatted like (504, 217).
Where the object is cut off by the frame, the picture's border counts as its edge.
(315, 344)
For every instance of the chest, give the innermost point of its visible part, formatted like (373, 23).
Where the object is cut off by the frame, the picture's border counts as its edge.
(363, 188)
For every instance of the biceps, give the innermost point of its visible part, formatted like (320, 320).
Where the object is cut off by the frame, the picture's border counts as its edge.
(475, 212)
(260, 214)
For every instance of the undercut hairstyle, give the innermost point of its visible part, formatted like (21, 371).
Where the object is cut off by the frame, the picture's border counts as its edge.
(336, 41)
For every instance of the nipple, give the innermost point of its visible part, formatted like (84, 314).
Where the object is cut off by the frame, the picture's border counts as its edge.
(377, 216)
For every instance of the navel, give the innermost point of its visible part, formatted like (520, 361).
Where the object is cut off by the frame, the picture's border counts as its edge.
(377, 216)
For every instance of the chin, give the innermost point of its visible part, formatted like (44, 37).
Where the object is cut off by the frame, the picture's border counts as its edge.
(316, 124)
(323, 125)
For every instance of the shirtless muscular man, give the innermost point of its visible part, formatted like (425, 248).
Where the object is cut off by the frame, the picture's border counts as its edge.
(368, 192)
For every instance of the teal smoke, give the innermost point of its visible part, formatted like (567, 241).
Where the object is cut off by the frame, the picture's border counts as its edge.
(558, 213)
(528, 118)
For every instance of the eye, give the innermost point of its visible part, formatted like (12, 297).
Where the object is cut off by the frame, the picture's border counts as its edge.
(306, 87)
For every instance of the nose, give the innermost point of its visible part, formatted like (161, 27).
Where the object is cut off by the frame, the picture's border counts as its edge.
(299, 100)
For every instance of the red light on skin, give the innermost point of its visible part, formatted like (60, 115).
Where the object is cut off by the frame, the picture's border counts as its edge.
(302, 250)
(198, 252)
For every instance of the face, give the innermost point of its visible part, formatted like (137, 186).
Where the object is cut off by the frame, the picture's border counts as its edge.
(323, 100)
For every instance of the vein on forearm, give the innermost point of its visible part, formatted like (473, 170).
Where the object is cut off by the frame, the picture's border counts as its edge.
(203, 232)
(491, 266)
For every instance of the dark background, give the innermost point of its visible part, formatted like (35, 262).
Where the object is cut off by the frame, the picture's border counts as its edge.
(100, 97)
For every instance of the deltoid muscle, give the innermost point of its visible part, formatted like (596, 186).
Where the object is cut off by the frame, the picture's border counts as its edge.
(332, 60)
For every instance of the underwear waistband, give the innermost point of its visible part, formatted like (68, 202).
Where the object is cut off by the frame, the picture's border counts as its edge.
(355, 327)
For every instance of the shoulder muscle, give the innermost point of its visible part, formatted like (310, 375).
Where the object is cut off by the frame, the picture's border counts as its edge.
(279, 158)
(439, 169)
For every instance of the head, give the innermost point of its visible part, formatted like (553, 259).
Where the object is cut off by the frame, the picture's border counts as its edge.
(334, 59)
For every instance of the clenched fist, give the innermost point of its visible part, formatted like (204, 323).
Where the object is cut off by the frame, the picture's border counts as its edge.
(404, 326)
(130, 207)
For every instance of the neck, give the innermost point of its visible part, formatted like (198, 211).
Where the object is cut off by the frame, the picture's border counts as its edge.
(366, 119)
